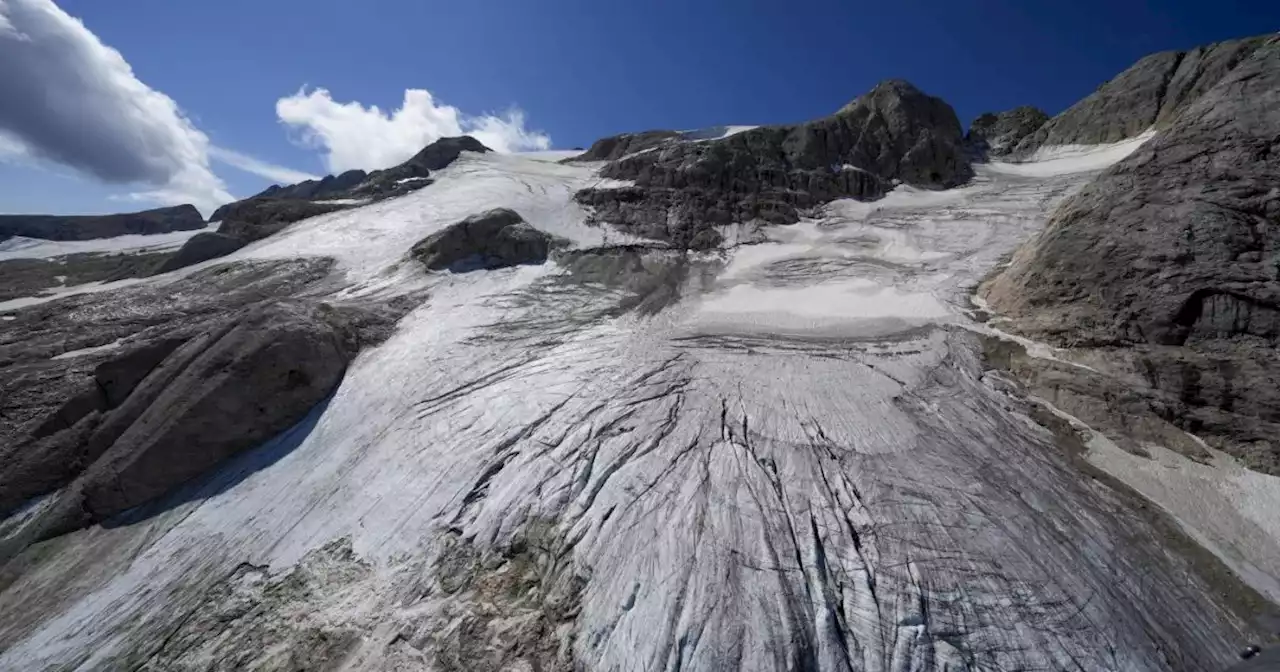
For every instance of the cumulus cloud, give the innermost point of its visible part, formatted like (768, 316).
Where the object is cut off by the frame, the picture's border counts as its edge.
(355, 136)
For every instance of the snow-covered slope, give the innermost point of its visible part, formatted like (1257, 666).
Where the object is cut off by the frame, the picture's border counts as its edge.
(798, 464)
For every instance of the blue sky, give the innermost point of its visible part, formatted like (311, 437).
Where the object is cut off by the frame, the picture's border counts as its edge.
(578, 69)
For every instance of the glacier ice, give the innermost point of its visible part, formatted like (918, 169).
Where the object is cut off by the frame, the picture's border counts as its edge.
(800, 464)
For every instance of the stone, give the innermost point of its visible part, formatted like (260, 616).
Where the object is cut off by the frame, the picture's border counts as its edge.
(1176, 251)
(87, 227)
(1151, 93)
(994, 134)
(686, 191)
(494, 239)
(201, 247)
(615, 147)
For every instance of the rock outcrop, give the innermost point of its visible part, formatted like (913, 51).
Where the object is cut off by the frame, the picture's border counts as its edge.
(685, 191)
(87, 227)
(615, 147)
(1149, 94)
(997, 135)
(116, 399)
(266, 213)
(201, 247)
(1176, 251)
(493, 239)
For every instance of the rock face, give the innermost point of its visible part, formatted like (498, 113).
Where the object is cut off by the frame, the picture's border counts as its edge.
(1150, 93)
(327, 186)
(493, 239)
(617, 146)
(257, 218)
(998, 134)
(684, 191)
(1177, 250)
(188, 376)
(201, 247)
(87, 227)
(272, 210)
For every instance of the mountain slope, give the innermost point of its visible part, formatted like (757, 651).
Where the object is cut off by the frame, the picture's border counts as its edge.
(753, 423)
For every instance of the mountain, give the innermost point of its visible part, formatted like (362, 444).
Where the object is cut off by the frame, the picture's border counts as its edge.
(831, 395)
(1169, 262)
(1151, 93)
(996, 135)
(86, 227)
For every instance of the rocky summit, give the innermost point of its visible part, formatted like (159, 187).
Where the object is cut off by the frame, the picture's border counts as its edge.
(687, 193)
(865, 392)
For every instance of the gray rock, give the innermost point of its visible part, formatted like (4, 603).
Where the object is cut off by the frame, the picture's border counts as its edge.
(1150, 93)
(998, 134)
(257, 218)
(685, 190)
(275, 208)
(233, 386)
(218, 362)
(492, 239)
(201, 247)
(1176, 250)
(31, 277)
(86, 227)
(615, 147)
(329, 186)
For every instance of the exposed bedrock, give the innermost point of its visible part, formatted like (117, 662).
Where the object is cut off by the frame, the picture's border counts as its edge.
(1152, 92)
(493, 239)
(188, 383)
(1177, 246)
(686, 191)
(997, 134)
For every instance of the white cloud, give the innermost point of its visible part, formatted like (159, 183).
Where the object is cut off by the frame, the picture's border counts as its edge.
(67, 98)
(355, 136)
(258, 167)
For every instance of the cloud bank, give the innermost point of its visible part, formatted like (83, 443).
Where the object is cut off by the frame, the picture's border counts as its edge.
(354, 136)
(66, 97)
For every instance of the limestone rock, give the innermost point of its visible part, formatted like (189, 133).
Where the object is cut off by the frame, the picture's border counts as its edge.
(685, 190)
(1150, 93)
(493, 239)
(86, 227)
(1177, 245)
(998, 134)
(615, 147)
(201, 247)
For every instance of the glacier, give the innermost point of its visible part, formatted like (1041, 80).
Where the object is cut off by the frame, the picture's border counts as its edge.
(793, 458)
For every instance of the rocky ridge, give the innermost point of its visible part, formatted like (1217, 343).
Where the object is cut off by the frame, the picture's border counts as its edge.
(996, 135)
(1151, 93)
(1166, 268)
(87, 227)
(686, 192)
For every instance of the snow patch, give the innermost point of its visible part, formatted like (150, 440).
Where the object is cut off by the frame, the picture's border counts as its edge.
(35, 248)
(1068, 159)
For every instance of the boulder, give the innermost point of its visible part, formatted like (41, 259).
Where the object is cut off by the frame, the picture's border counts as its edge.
(1176, 250)
(994, 135)
(686, 190)
(87, 227)
(1149, 94)
(493, 239)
